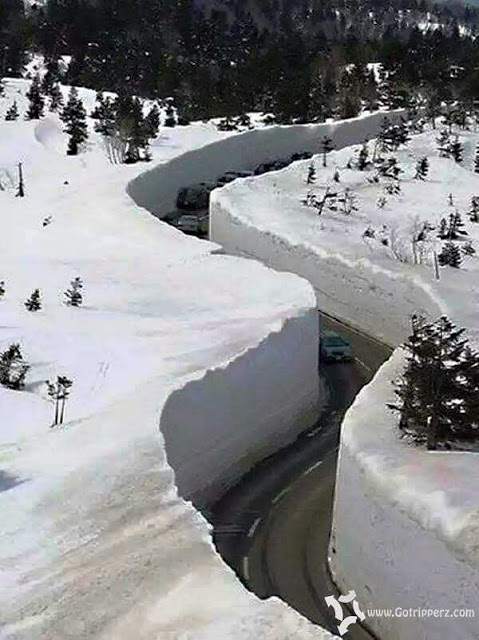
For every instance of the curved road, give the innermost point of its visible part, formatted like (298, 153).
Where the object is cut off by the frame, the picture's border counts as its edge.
(273, 527)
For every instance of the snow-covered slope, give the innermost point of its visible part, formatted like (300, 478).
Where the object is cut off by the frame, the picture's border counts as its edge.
(94, 540)
(405, 522)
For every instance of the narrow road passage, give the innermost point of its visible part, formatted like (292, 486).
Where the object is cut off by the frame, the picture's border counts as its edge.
(273, 527)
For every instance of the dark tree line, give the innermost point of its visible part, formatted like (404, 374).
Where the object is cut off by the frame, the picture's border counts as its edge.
(302, 61)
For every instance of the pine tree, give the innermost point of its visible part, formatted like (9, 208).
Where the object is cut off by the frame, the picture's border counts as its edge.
(51, 77)
(132, 128)
(74, 118)
(476, 160)
(327, 145)
(170, 120)
(152, 122)
(474, 209)
(422, 168)
(59, 391)
(456, 226)
(2, 288)
(34, 302)
(105, 116)
(73, 295)
(12, 112)
(450, 256)
(311, 179)
(444, 144)
(36, 100)
(443, 231)
(13, 368)
(363, 158)
(56, 99)
(468, 427)
(456, 150)
(434, 393)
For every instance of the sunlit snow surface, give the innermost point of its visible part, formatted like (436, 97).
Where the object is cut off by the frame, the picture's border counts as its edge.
(94, 541)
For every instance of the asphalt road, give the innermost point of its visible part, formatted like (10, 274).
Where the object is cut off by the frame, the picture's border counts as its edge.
(273, 527)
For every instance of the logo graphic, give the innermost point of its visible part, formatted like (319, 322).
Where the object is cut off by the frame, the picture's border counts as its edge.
(345, 623)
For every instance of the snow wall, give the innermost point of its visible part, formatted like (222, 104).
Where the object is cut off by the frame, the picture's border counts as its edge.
(405, 530)
(218, 427)
(391, 556)
(156, 190)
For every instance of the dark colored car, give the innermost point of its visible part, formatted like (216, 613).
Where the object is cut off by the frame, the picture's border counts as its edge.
(195, 197)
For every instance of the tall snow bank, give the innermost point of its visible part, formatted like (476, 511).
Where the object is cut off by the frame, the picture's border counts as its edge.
(406, 523)
(237, 415)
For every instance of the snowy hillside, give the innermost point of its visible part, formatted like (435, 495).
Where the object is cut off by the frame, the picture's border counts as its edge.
(370, 258)
(95, 542)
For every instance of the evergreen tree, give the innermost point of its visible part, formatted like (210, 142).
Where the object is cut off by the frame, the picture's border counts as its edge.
(443, 144)
(131, 125)
(170, 120)
(152, 122)
(437, 393)
(311, 179)
(456, 150)
(2, 288)
(74, 119)
(450, 256)
(456, 226)
(422, 168)
(59, 391)
(51, 77)
(13, 368)
(453, 229)
(443, 231)
(433, 109)
(476, 160)
(56, 98)
(34, 302)
(73, 295)
(474, 209)
(12, 112)
(36, 100)
(105, 116)
(363, 158)
(327, 145)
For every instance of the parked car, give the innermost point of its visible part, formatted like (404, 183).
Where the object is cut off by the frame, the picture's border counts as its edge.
(195, 197)
(334, 348)
(280, 164)
(302, 155)
(188, 223)
(264, 168)
(229, 176)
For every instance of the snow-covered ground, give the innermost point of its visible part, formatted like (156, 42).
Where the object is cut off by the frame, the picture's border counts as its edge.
(94, 540)
(405, 524)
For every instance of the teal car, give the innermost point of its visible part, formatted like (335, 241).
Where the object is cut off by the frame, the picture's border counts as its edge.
(334, 348)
